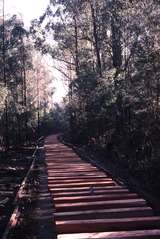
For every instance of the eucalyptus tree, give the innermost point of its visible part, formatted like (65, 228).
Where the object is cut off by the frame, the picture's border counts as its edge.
(108, 49)
(18, 61)
(14, 74)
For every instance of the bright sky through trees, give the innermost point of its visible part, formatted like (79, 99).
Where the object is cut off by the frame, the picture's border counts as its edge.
(29, 10)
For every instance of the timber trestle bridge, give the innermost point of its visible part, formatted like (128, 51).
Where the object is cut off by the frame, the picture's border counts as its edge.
(90, 204)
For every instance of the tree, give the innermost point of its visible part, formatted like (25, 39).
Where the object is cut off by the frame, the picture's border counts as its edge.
(19, 111)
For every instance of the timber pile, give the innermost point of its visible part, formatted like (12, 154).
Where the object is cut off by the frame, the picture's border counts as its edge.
(89, 204)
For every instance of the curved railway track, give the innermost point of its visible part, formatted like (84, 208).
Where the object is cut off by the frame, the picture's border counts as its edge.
(90, 204)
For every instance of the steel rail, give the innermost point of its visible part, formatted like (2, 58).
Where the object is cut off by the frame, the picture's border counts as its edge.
(16, 212)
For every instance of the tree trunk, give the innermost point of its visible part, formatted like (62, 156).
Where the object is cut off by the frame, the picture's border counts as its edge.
(24, 90)
(76, 45)
(6, 134)
(96, 43)
(116, 37)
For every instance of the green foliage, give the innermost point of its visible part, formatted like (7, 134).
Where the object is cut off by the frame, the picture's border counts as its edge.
(111, 52)
(20, 91)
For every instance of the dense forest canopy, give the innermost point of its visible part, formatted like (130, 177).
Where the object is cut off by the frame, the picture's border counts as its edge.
(110, 56)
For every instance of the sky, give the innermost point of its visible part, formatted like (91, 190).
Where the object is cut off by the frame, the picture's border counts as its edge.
(29, 10)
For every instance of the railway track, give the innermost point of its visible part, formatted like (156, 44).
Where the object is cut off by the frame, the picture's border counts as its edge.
(13, 186)
(89, 204)
(12, 171)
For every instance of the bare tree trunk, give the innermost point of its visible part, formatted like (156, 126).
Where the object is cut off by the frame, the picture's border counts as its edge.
(116, 38)
(24, 89)
(6, 135)
(38, 107)
(25, 95)
(76, 45)
(96, 43)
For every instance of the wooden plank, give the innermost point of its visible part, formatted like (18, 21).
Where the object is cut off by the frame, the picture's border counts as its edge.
(88, 192)
(80, 180)
(150, 234)
(100, 205)
(93, 198)
(59, 164)
(60, 150)
(104, 213)
(88, 189)
(98, 177)
(74, 174)
(62, 157)
(80, 184)
(100, 225)
(69, 170)
(75, 168)
(109, 182)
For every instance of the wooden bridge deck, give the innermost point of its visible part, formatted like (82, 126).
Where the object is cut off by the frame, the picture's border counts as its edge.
(89, 204)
